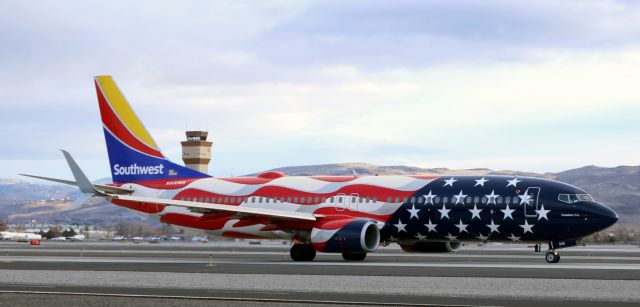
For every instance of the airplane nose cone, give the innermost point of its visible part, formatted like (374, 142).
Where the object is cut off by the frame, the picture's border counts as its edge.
(605, 216)
(609, 216)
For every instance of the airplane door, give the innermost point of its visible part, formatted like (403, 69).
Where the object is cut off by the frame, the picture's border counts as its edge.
(532, 205)
(353, 201)
(341, 202)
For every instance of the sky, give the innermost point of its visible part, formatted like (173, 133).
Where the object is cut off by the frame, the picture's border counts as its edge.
(539, 86)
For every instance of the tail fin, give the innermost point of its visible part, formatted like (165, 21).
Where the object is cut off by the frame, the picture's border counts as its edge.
(133, 154)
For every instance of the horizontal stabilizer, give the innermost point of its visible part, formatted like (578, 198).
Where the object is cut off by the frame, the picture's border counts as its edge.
(103, 188)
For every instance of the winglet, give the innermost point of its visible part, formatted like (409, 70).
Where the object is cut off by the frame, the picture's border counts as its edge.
(81, 179)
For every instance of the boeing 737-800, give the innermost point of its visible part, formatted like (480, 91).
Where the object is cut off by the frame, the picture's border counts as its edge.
(351, 215)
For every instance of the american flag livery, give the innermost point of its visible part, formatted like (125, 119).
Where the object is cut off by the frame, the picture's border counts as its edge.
(351, 215)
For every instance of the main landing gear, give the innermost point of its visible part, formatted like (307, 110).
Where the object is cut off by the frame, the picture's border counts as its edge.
(302, 252)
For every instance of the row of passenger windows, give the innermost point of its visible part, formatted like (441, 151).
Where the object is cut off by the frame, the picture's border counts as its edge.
(574, 198)
(351, 199)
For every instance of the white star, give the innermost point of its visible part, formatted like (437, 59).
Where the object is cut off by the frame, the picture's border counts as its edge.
(475, 212)
(420, 237)
(429, 198)
(542, 213)
(462, 227)
(400, 226)
(460, 198)
(451, 237)
(507, 212)
(482, 238)
(527, 227)
(414, 212)
(492, 197)
(513, 182)
(514, 238)
(480, 182)
(449, 182)
(444, 212)
(524, 198)
(431, 226)
(494, 227)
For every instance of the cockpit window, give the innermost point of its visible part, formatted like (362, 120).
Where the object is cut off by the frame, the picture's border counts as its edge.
(574, 198)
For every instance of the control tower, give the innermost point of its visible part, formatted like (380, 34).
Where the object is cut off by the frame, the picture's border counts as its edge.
(196, 151)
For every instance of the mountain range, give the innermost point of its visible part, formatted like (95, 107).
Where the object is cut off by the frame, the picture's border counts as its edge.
(21, 201)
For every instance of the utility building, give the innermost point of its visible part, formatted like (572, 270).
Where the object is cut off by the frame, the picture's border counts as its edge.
(196, 151)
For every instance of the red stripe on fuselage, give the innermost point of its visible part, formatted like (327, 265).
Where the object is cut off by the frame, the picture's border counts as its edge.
(139, 206)
(194, 221)
(363, 190)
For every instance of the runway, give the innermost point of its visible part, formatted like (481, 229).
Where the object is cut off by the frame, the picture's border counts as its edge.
(240, 273)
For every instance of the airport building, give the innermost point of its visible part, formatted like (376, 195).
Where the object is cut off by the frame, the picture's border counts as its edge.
(196, 151)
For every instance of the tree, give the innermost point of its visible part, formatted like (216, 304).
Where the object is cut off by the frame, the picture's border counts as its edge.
(53, 232)
(69, 233)
(3, 225)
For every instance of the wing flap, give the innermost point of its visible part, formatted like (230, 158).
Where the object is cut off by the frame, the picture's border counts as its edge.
(208, 207)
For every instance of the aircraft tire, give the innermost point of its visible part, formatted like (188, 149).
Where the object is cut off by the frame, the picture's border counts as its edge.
(552, 257)
(354, 256)
(302, 252)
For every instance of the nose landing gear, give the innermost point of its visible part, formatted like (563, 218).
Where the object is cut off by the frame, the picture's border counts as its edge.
(552, 257)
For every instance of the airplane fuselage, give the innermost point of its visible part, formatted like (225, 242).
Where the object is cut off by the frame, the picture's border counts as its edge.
(412, 208)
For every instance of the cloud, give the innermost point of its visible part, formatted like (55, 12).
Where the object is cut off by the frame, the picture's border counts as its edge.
(432, 83)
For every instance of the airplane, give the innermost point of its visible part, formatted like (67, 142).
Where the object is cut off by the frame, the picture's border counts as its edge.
(19, 236)
(351, 215)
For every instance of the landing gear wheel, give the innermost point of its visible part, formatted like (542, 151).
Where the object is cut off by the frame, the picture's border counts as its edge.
(552, 257)
(302, 252)
(354, 256)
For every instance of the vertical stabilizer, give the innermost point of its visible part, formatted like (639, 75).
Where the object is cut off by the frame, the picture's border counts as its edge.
(133, 154)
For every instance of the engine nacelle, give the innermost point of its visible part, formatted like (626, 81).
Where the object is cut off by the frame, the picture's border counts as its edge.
(431, 247)
(345, 236)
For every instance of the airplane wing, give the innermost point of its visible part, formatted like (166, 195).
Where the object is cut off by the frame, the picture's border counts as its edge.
(210, 208)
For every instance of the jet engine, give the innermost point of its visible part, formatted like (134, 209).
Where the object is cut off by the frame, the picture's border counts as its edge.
(346, 236)
(431, 247)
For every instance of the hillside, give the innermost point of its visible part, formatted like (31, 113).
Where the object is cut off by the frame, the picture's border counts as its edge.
(20, 201)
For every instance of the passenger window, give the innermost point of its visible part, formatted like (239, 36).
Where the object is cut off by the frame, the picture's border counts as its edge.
(295, 200)
(331, 200)
(397, 199)
(413, 199)
(507, 200)
(484, 200)
(375, 199)
(476, 199)
(469, 200)
(436, 200)
(499, 200)
(354, 200)
(404, 200)
(302, 200)
(389, 199)
(421, 200)
(324, 199)
(289, 199)
(226, 200)
(317, 199)
(516, 200)
(445, 200)
(339, 199)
